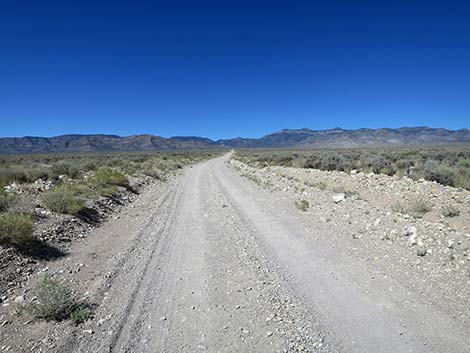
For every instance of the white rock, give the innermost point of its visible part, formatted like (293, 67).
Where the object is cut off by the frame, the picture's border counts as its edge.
(337, 198)
(19, 299)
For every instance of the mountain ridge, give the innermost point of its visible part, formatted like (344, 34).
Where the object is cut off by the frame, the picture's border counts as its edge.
(285, 138)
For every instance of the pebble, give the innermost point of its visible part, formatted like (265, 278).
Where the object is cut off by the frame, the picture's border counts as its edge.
(337, 198)
(19, 299)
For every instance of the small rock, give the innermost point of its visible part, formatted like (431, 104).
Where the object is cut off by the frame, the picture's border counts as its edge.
(412, 240)
(88, 332)
(409, 231)
(19, 299)
(337, 198)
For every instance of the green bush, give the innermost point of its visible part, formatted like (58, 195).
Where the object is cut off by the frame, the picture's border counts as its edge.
(335, 162)
(108, 176)
(464, 163)
(80, 314)
(434, 171)
(106, 180)
(13, 174)
(416, 208)
(63, 168)
(16, 230)
(63, 199)
(5, 200)
(419, 207)
(54, 300)
(450, 211)
(302, 205)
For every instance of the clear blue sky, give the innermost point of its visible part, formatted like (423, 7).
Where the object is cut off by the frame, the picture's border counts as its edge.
(231, 68)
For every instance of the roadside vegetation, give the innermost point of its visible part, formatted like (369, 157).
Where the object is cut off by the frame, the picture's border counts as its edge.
(55, 302)
(450, 211)
(417, 208)
(302, 205)
(71, 183)
(16, 230)
(448, 166)
(5, 200)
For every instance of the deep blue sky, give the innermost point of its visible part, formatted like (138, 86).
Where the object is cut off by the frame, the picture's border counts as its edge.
(231, 68)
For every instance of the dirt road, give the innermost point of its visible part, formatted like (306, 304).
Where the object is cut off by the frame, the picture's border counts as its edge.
(219, 264)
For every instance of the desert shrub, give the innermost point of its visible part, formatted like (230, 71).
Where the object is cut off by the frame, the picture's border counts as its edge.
(378, 164)
(442, 174)
(464, 163)
(335, 162)
(399, 207)
(339, 189)
(6, 200)
(416, 208)
(299, 162)
(38, 172)
(302, 205)
(13, 173)
(421, 252)
(54, 300)
(63, 168)
(419, 207)
(463, 180)
(106, 180)
(450, 211)
(108, 176)
(63, 199)
(16, 230)
(404, 164)
(313, 161)
(317, 184)
(80, 314)
(152, 172)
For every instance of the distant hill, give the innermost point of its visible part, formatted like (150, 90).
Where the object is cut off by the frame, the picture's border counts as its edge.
(300, 138)
(340, 138)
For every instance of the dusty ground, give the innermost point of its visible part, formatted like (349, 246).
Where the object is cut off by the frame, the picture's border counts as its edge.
(58, 231)
(214, 262)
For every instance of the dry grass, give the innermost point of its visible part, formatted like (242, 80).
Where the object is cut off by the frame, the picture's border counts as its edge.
(63, 199)
(16, 230)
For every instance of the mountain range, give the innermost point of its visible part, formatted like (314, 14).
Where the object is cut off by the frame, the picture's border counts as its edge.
(288, 138)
